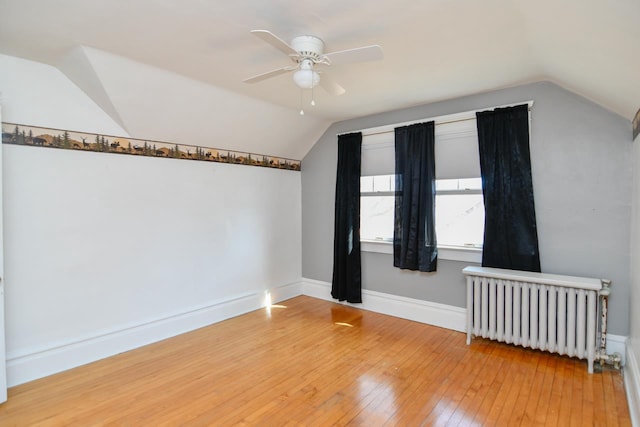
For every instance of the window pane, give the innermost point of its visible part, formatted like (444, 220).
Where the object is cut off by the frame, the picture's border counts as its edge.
(446, 184)
(366, 184)
(384, 183)
(376, 218)
(460, 219)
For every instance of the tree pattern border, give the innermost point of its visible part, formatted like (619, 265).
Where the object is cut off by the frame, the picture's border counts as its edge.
(18, 134)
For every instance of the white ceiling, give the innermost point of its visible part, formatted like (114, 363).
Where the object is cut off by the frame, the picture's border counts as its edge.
(433, 50)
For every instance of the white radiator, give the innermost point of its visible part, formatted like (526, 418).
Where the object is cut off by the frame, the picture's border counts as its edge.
(542, 311)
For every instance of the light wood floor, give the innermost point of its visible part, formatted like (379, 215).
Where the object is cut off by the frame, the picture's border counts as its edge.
(316, 363)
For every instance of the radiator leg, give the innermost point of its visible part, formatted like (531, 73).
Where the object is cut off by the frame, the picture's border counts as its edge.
(469, 308)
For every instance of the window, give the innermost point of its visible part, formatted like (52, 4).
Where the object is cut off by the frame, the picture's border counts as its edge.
(459, 211)
(377, 207)
(459, 202)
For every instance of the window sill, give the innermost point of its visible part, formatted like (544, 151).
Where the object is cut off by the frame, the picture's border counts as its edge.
(444, 252)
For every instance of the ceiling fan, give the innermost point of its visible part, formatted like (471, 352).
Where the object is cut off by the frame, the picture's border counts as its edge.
(307, 53)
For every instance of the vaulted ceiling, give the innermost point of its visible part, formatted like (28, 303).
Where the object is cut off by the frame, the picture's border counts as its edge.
(155, 66)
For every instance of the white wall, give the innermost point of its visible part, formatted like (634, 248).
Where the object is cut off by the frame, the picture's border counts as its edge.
(632, 377)
(105, 252)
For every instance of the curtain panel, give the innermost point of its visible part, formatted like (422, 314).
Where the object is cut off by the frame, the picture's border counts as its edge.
(510, 231)
(414, 238)
(346, 283)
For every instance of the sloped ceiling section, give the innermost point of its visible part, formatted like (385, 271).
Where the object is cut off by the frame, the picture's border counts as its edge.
(155, 104)
(589, 47)
(78, 68)
(40, 94)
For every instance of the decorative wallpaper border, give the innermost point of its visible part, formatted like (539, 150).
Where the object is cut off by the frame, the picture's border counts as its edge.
(17, 134)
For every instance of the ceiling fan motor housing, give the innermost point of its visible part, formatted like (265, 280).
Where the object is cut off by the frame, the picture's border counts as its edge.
(309, 47)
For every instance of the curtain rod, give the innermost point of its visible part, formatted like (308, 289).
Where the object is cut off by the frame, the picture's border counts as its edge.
(471, 116)
(382, 132)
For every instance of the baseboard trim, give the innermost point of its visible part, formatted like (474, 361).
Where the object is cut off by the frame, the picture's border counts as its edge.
(441, 315)
(38, 363)
(632, 383)
(285, 292)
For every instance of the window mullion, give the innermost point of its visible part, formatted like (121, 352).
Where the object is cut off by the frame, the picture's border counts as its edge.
(377, 193)
(457, 192)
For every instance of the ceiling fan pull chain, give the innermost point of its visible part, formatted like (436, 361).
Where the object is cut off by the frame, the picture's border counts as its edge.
(313, 102)
(301, 110)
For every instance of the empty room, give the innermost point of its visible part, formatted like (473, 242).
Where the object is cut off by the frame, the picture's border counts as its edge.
(319, 213)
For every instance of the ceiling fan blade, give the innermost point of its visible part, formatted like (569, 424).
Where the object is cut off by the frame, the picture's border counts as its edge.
(331, 86)
(269, 74)
(358, 54)
(275, 41)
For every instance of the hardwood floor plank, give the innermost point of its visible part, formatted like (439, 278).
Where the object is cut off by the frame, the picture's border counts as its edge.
(468, 397)
(403, 367)
(496, 369)
(535, 388)
(453, 388)
(623, 414)
(610, 402)
(542, 407)
(510, 414)
(554, 403)
(577, 403)
(315, 363)
(428, 373)
(599, 408)
(566, 394)
(493, 408)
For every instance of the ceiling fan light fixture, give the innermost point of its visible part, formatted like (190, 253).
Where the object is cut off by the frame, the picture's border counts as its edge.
(306, 79)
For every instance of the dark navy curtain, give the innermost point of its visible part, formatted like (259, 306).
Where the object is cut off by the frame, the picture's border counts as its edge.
(510, 232)
(414, 237)
(346, 283)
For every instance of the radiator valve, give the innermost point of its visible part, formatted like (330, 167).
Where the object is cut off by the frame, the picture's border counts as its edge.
(612, 359)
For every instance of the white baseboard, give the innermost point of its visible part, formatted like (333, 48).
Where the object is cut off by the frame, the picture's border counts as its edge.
(442, 315)
(285, 292)
(37, 363)
(632, 383)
